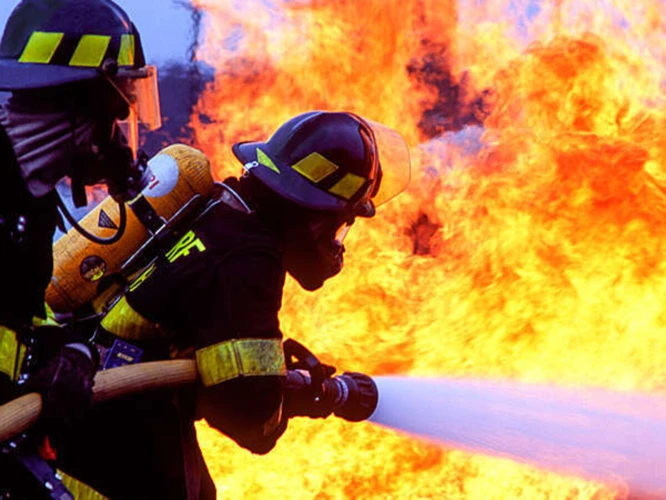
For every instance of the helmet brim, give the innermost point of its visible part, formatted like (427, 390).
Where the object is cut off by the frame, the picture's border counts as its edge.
(28, 76)
(288, 184)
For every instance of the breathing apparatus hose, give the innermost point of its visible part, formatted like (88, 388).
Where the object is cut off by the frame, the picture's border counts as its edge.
(122, 224)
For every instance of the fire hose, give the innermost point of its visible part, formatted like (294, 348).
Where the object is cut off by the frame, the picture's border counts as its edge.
(21, 413)
(351, 396)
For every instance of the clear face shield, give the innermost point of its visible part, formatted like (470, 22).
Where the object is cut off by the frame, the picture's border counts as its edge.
(139, 89)
(394, 162)
(392, 154)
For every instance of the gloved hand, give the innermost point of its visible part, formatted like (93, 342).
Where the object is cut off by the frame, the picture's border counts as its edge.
(247, 409)
(311, 390)
(351, 396)
(65, 382)
(302, 399)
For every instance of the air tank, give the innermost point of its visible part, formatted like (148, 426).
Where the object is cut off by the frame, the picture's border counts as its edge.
(178, 173)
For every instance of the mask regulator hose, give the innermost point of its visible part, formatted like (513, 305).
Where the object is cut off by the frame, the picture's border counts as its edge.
(120, 232)
(312, 391)
(129, 184)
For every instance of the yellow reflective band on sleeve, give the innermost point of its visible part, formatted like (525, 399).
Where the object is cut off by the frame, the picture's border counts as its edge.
(40, 47)
(8, 349)
(348, 186)
(240, 358)
(127, 51)
(79, 490)
(124, 322)
(315, 167)
(90, 51)
(266, 161)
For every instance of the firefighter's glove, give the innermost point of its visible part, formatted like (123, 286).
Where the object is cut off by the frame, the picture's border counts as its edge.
(351, 396)
(303, 399)
(65, 382)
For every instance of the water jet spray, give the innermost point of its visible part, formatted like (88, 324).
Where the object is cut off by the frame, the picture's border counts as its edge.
(614, 437)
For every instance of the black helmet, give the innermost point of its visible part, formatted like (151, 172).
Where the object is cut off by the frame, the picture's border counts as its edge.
(51, 43)
(47, 43)
(332, 161)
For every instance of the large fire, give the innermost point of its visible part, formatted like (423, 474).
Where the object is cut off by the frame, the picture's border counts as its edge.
(533, 253)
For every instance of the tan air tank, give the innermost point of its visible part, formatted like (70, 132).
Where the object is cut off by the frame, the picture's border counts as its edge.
(179, 173)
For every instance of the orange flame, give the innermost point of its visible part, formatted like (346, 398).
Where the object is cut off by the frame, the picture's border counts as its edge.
(534, 251)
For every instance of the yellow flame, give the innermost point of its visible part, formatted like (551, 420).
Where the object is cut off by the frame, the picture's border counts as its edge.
(537, 255)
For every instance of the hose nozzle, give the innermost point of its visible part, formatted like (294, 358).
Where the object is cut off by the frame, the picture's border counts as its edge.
(351, 396)
(357, 396)
(312, 391)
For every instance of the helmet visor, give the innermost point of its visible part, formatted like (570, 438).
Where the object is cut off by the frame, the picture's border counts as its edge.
(394, 160)
(140, 90)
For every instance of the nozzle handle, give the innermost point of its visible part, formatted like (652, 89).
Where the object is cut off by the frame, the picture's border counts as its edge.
(300, 357)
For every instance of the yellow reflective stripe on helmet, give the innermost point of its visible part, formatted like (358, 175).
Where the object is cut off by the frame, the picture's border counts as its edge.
(8, 349)
(40, 47)
(348, 186)
(240, 358)
(127, 51)
(124, 322)
(79, 490)
(315, 167)
(266, 161)
(90, 51)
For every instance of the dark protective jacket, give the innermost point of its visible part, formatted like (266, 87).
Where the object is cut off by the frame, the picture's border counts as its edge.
(223, 280)
(27, 225)
(26, 260)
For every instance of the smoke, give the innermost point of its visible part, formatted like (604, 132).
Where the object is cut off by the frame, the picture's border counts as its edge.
(596, 434)
(194, 73)
(181, 84)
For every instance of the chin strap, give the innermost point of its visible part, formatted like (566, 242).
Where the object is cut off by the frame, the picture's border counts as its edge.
(234, 200)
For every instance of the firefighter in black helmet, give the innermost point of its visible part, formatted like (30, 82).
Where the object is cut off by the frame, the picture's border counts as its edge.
(330, 168)
(215, 295)
(79, 86)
